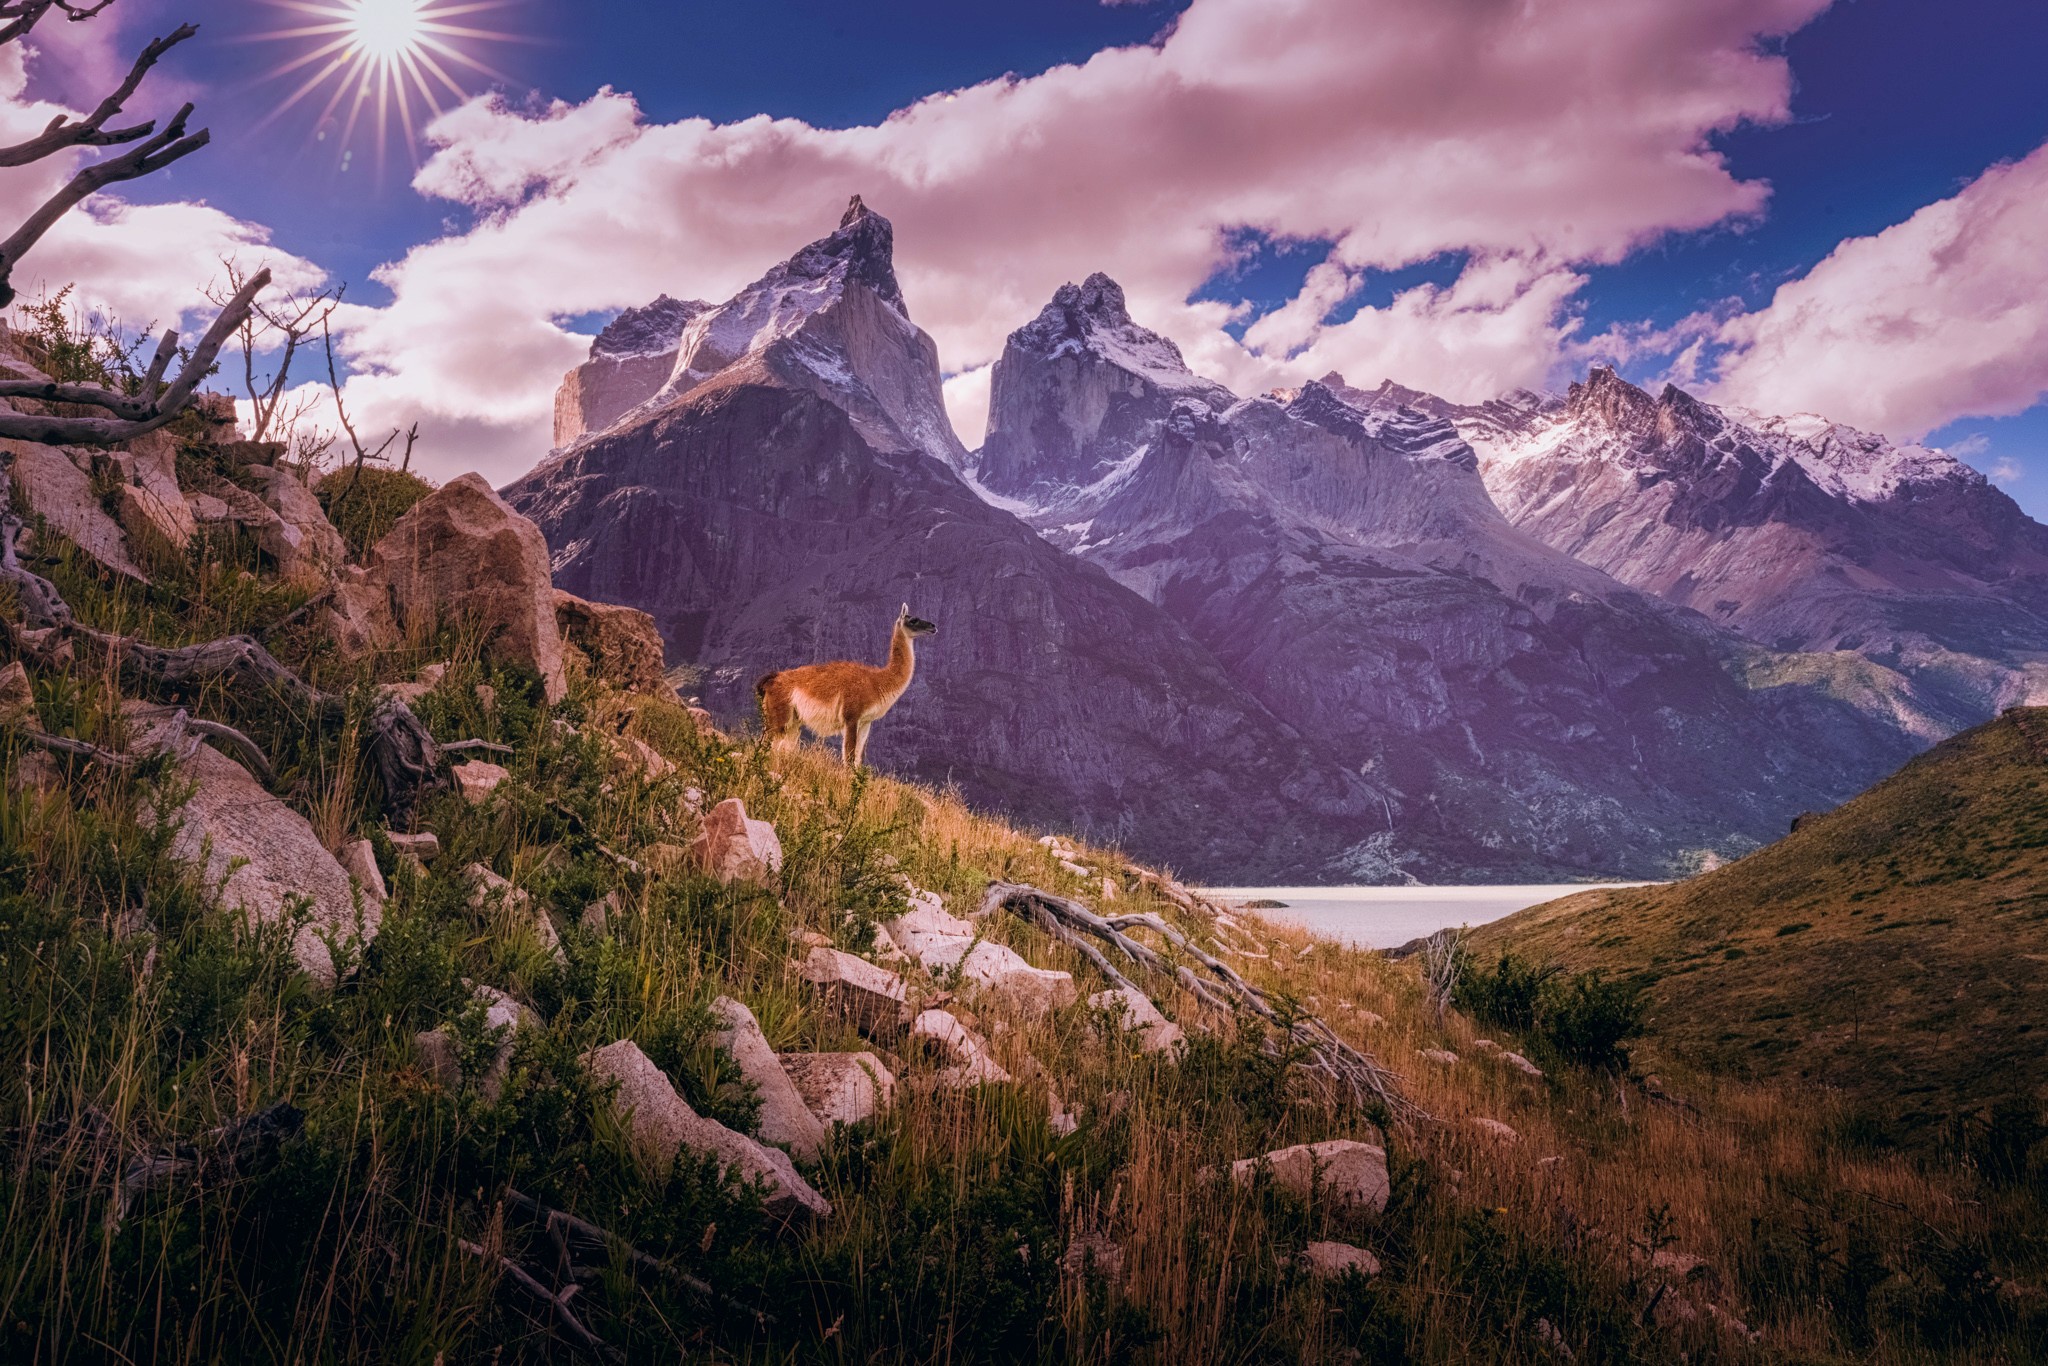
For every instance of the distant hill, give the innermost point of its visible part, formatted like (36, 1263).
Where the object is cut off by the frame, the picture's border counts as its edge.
(1896, 947)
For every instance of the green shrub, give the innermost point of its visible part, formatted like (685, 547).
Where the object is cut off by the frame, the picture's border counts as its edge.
(1582, 1018)
(365, 504)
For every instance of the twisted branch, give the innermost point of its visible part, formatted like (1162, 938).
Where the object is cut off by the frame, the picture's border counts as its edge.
(1067, 921)
(62, 132)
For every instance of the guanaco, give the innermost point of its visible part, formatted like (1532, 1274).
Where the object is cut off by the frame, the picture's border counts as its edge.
(842, 698)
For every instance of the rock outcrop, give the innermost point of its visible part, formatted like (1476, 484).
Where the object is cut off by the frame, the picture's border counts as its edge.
(972, 1064)
(1330, 1261)
(734, 847)
(661, 1123)
(796, 481)
(439, 1050)
(946, 944)
(461, 555)
(1134, 1012)
(620, 643)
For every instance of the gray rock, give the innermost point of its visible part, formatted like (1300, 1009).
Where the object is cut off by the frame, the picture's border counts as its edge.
(1349, 1174)
(661, 1124)
(785, 1118)
(872, 999)
(1329, 1261)
(841, 1088)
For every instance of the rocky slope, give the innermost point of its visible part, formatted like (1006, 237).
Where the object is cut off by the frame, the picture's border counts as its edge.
(1799, 534)
(794, 483)
(1516, 712)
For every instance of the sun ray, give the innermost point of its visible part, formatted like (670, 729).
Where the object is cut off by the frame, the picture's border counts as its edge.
(382, 57)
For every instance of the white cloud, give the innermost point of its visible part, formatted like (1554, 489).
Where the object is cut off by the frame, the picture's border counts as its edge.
(1530, 136)
(2006, 470)
(1940, 317)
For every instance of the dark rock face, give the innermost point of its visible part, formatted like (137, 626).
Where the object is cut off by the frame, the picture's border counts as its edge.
(1516, 713)
(629, 362)
(778, 511)
(1798, 534)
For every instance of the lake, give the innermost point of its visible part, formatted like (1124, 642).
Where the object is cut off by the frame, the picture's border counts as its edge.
(1383, 917)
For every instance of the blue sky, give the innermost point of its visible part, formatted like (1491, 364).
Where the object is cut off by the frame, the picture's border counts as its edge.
(1895, 105)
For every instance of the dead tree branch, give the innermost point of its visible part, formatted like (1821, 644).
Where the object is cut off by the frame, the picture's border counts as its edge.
(1067, 921)
(284, 327)
(135, 414)
(28, 13)
(240, 1147)
(572, 1329)
(92, 131)
(145, 158)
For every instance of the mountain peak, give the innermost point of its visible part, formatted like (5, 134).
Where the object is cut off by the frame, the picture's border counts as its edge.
(1607, 396)
(1097, 297)
(652, 329)
(863, 248)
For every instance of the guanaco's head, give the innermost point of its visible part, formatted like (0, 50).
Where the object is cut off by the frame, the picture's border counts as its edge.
(916, 626)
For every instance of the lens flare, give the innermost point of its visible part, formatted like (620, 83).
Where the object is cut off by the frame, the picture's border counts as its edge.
(373, 59)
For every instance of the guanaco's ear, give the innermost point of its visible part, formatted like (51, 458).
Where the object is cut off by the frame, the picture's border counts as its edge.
(904, 613)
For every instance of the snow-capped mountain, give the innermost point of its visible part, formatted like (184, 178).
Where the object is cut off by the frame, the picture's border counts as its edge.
(794, 482)
(1800, 534)
(1515, 710)
(629, 362)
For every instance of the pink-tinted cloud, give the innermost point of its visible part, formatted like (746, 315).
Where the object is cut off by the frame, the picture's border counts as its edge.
(1531, 135)
(1942, 316)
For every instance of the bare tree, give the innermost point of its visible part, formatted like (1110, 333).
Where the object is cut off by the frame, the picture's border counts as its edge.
(150, 402)
(281, 327)
(363, 454)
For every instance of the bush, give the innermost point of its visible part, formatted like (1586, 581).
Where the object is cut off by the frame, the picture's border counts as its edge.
(364, 515)
(1581, 1018)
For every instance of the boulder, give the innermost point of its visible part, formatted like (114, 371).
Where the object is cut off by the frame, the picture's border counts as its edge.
(734, 847)
(61, 493)
(357, 614)
(440, 1053)
(359, 861)
(1443, 1057)
(660, 1123)
(597, 916)
(493, 896)
(424, 845)
(262, 855)
(1521, 1064)
(1350, 1174)
(946, 943)
(309, 549)
(1093, 1252)
(841, 1088)
(461, 554)
(972, 1063)
(872, 999)
(785, 1118)
(621, 643)
(477, 780)
(634, 755)
(17, 695)
(1329, 1261)
(1134, 1011)
(1495, 1130)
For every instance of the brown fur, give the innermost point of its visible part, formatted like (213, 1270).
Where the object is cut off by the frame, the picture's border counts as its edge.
(842, 698)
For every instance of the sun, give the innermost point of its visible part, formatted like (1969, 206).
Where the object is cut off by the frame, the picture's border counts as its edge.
(376, 59)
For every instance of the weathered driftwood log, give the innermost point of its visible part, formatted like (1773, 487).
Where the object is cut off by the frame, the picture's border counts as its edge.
(241, 1147)
(1069, 921)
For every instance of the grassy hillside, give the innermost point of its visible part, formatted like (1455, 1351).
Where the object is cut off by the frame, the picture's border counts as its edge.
(1895, 949)
(138, 1016)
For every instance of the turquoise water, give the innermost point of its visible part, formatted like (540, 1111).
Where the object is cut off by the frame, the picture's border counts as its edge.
(1383, 917)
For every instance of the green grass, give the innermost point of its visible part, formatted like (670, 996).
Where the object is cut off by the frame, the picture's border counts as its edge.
(1895, 948)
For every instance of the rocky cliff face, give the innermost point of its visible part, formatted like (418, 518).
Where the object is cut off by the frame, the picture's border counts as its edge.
(629, 362)
(1517, 713)
(793, 486)
(1799, 534)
